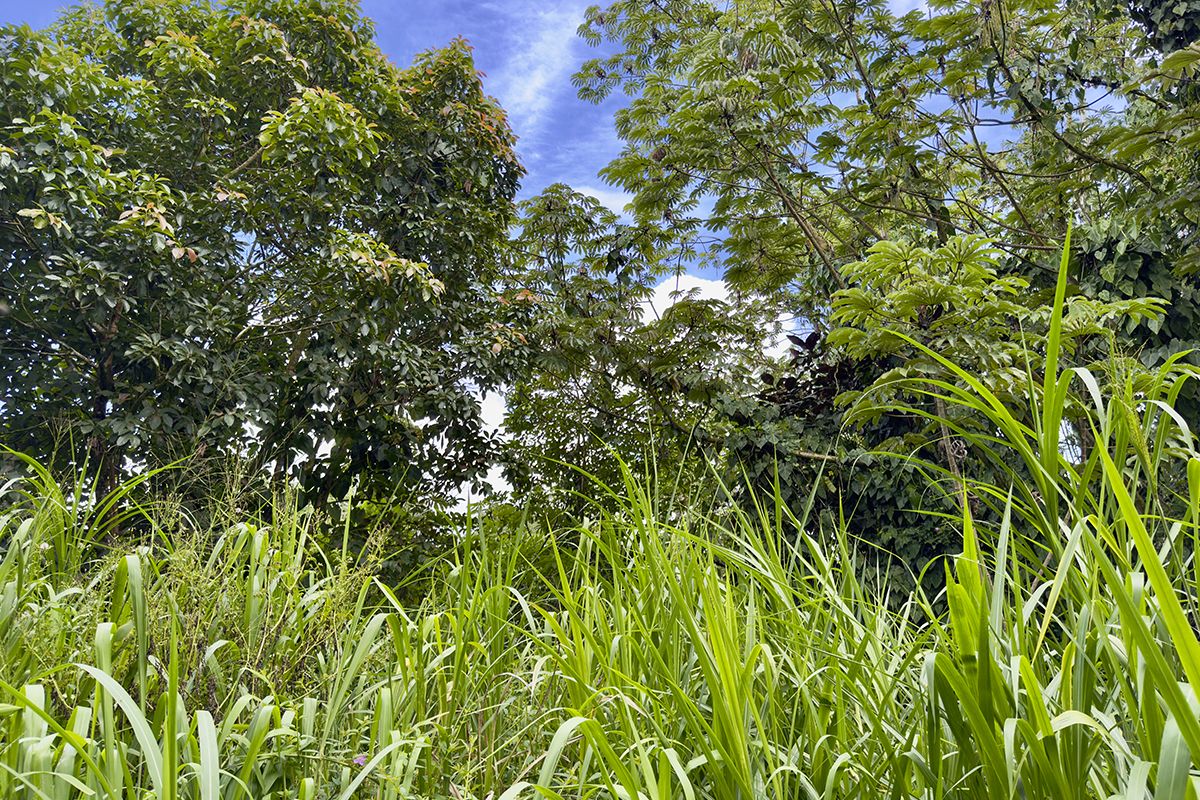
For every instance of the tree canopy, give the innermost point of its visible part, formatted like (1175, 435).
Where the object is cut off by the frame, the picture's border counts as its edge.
(808, 130)
(239, 229)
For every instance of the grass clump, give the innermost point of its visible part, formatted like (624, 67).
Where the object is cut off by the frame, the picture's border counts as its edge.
(649, 661)
(681, 655)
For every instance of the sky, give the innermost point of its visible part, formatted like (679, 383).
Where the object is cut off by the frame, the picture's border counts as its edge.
(528, 51)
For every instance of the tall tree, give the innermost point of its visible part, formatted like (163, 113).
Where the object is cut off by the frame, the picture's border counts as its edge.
(238, 228)
(616, 375)
(811, 129)
(818, 136)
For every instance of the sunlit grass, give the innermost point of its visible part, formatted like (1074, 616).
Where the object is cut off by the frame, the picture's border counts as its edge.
(690, 654)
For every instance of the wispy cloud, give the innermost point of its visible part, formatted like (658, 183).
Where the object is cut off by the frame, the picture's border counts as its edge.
(543, 52)
(528, 50)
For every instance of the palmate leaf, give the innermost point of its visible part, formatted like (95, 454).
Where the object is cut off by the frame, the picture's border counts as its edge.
(887, 262)
(909, 301)
(969, 258)
(858, 307)
(1184, 61)
(903, 283)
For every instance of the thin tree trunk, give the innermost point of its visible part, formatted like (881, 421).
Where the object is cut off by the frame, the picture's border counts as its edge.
(107, 456)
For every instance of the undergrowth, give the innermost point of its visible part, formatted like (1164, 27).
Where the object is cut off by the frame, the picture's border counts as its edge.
(682, 654)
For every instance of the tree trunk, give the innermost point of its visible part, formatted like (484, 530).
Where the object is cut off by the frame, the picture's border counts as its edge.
(107, 455)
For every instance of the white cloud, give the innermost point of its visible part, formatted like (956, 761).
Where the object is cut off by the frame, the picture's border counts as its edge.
(661, 300)
(706, 289)
(543, 57)
(613, 199)
(492, 410)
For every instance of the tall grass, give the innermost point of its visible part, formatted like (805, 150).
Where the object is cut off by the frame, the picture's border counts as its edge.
(704, 655)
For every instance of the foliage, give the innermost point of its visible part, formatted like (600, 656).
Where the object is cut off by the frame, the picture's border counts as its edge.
(820, 136)
(819, 127)
(908, 302)
(814, 129)
(1113, 264)
(661, 642)
(241, 229)
(792, 449)
(1170, 26)
(690, 658)
(855, 415)
(614, 375)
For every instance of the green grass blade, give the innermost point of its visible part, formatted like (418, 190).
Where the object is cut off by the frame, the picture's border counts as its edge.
(210, 756)
(151, 754)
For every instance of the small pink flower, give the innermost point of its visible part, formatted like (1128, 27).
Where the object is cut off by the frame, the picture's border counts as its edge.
(360, 760)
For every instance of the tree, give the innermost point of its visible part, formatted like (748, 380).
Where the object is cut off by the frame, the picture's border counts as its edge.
(907, 302)
(816, 128)
(817, 136)
(614, 375)
(239, 229)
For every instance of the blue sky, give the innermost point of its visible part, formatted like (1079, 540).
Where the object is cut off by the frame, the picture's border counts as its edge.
(528, 50)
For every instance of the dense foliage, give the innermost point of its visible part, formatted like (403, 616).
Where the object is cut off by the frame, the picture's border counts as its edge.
(944, 548)
(813, 150)
(614, 373)
(239, 229)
